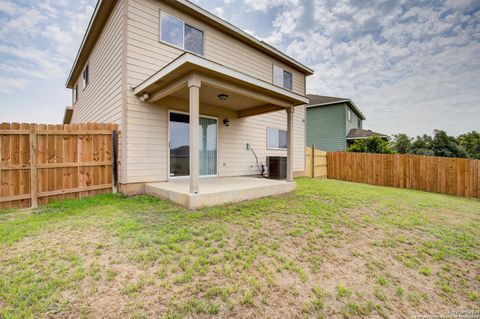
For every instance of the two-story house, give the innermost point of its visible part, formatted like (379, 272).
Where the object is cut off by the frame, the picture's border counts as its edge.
(194, 97)
(334, 123)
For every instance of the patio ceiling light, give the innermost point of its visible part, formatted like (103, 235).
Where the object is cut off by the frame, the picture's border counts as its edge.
(223, 97)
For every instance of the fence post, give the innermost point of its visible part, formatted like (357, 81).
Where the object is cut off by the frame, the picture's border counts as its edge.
(313, 160)
(33, 167)
(114, 160)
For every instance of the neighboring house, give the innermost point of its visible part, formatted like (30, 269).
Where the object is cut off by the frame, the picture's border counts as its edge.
(358, 134)
(333, 122)
(152, 65)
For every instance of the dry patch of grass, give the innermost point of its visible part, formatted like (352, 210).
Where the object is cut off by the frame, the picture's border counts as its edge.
(333, 249)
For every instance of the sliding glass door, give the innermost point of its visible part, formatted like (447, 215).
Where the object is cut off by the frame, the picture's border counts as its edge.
(208, 146)
(180, 145)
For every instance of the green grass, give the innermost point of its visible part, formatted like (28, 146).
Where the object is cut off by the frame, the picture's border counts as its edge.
(333, 249)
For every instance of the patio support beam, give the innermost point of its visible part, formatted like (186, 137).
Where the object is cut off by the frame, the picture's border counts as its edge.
(259, 110)
(290, 111)
(234, 88)
(166, 91)
(194, 106)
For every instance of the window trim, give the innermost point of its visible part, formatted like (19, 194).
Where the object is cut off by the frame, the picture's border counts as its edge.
(349, 115)
(75, 94)
(276, 148)
(283, 75)
(87, 81)
(162, 12)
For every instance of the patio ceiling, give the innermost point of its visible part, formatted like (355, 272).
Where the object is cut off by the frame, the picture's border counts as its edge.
(246, 94)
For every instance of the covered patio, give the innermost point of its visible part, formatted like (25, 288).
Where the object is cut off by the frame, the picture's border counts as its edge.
(218, 190)
(202, 82)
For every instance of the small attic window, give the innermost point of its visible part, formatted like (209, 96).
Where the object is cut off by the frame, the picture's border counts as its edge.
(75, 94)
(86, 76)
(349, 115)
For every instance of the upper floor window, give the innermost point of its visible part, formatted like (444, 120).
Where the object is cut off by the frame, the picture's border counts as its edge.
(75, 93)
(276, 139)
(349, 115)
(282, 77)
(180, 34)
(359, 123)
(86, 76)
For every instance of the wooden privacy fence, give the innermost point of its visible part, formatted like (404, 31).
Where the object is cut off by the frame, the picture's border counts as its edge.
(315, 162)
(454, 176)
(43, 162)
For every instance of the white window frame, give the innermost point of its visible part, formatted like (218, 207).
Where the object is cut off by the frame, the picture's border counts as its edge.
(349, 115)
(283, 77)
(86, 81)
(75, 94)
(164, 13)
(168, 139)
(278, 130)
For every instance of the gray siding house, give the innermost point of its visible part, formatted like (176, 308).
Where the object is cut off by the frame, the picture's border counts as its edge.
(333, 123)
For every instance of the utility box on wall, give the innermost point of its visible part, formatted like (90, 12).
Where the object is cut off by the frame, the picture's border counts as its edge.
(277, 167)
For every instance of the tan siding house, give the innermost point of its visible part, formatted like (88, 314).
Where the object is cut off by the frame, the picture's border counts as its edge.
(154, 65)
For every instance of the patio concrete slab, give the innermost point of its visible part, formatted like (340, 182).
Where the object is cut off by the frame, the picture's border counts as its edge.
(218, 190)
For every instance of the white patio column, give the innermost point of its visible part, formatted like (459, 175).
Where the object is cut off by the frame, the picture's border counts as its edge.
(290, 144)
(194, 98)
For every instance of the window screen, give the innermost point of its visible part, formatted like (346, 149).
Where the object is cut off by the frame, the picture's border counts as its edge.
(193, 40)
(75, 93)
(287, 80)
(180, 34)
(86, 77)
(282, 78)
(276, 138)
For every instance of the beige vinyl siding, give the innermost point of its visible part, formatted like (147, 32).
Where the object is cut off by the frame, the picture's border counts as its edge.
(147, 125)
(235, 159)
(147, 145)
(101, 100)
(146, 54)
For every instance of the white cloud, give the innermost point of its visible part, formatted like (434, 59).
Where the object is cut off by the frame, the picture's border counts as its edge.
(7, 85)
(219, 11)
(264, 5)
(408, 65)
(41, 37)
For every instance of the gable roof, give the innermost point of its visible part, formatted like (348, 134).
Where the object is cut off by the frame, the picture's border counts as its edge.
(357, 133)
(105, 7)
(320, 100)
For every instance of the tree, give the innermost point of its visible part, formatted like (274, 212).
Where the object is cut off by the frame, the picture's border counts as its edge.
(402, 143)
(470, 142)
(373, 144)
(422, 142)
(359, 146)
(446, 146)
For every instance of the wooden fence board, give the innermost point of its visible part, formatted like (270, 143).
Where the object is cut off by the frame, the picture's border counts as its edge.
(315, 163)
(41, 162)
(454, 176)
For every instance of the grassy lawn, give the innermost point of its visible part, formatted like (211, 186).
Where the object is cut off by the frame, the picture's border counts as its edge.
(333, 249)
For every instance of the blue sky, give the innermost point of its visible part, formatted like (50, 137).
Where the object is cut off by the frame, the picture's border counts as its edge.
(411, 66)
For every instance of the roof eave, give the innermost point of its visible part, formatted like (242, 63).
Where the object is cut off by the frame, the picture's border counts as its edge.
(189, 58)
(100, 15)
(348, 101)
(104, 8)
(244, 35)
